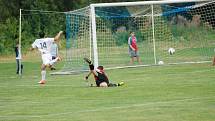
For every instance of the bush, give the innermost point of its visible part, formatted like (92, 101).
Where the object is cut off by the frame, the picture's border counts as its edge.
(122, 37)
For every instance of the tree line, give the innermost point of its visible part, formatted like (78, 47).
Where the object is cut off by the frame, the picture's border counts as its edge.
(9, 17)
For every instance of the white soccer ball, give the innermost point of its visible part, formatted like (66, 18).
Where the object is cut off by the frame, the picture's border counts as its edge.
(171, 51)
(160, 62)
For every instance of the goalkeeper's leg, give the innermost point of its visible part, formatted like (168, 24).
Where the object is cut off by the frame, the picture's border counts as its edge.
(115, 85)
(91, 66)
(88, 61)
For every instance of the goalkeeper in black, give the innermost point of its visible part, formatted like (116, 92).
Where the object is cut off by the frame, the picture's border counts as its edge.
(100, 76)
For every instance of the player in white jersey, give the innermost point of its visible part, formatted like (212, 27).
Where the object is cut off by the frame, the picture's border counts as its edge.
(44, 46)
(54, 53)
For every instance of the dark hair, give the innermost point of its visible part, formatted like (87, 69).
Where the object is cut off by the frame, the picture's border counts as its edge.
(41, 34)
(100, 67)
(131, 32)
(16, 36)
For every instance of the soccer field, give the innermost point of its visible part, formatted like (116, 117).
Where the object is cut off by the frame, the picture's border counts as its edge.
(158, 93)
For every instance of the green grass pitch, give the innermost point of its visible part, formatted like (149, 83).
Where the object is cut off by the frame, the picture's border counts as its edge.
(158, 93)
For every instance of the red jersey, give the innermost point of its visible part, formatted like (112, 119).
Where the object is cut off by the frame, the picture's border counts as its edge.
(133, 42)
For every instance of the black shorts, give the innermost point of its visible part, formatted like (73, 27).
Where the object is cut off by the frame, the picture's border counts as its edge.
(53, 57)
(101, 78)
(98, 82)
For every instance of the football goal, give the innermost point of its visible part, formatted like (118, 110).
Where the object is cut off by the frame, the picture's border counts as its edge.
(101, 31)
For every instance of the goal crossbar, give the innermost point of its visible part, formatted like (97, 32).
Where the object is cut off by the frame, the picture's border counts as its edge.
(144, 3)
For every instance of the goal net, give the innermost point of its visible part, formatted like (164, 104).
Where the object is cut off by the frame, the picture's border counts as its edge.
(101, 32)
(186, 27)
(76, 40)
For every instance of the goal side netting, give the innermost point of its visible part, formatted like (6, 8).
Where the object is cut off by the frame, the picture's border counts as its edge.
(76, 39)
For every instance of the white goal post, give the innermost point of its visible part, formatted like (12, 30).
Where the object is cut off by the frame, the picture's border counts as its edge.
(101, 31)
(144, 3)
(93, 18)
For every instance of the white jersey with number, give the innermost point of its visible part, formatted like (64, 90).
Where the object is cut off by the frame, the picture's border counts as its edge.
(44, 45)
(54, 50)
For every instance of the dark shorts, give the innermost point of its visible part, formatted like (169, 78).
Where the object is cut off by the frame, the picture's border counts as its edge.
(53, 57)
(101, 78)
(98, 82)
(133, 53)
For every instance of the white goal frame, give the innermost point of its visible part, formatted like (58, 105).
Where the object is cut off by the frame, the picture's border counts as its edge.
(152, 3)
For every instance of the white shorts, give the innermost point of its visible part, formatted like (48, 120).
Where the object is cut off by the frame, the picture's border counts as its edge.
(46, 58)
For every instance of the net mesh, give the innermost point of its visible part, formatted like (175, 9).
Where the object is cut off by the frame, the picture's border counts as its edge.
(186, 27)
(78, 39)
(35, 21)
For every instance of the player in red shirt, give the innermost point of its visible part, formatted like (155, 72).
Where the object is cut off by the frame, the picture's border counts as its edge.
(133, 49)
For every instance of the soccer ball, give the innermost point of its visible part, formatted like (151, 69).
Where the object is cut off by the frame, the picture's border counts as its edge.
(160, 62)
(171, 51)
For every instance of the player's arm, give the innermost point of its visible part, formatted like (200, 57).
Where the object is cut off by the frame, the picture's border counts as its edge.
(57, 37)
(33, 47)
(129, 43)
(91, 72)
(86, 77)
(91, 66)
(132, 47)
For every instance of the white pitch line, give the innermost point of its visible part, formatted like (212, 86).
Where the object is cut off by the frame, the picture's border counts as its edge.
(9, 77)
(20, 116)
(106, 108)
(127, 106)
(45, 85)
(197, 71)
(200, 71)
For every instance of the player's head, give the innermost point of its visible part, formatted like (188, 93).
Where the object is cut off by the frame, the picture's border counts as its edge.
(16, 36)
(132, 33)
(100, 69)
(17, 43)
(41, 34)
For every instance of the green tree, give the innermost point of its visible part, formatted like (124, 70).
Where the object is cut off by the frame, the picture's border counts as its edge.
(33, 23)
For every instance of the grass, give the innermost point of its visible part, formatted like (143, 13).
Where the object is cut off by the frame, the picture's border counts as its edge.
(159, 93)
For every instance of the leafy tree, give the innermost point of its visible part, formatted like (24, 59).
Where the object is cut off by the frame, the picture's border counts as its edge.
(33, 23)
